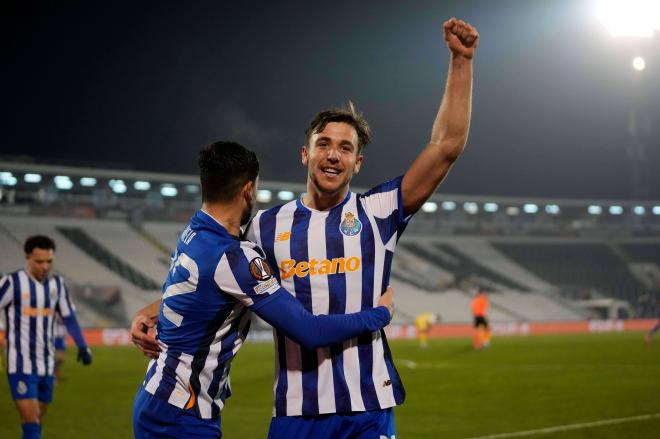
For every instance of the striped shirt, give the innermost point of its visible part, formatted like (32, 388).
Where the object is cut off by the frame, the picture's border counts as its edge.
(30, 308)
(335, 262)
(214, 280)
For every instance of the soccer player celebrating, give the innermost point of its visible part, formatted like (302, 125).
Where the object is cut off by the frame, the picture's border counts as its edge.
(334, 248)
(33, 298)
(215, 280)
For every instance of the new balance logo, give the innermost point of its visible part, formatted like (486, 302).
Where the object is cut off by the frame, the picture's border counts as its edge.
(284, 236)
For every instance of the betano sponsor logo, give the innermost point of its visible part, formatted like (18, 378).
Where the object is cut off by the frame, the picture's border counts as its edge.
(314, 267)
(29, 311)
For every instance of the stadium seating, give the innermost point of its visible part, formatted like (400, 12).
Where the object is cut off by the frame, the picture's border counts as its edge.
(588, 268)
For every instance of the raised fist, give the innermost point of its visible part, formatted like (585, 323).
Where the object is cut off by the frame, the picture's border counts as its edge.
(462, 39)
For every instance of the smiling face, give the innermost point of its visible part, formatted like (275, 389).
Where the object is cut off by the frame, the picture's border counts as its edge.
(331, 157)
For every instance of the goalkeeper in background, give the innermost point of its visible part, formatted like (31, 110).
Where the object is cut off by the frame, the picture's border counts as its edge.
(481, 337)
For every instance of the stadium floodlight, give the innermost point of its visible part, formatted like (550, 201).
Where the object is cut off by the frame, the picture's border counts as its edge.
(448, 205)
(118, 186)
(530, 208)
(141, 185)
(491, 207)
(429, 207)
(63, 182)
(88, 181)
(32, 178)
(656, 210)
(192, 188)
(471, 208)
(638, 63)
(616, 210)
(7, 179)
(595, 209)
(285, 195)
(512, 210)
(552, 209)
(168, 190)
(264, 196)
(629, 18)
(639, 210)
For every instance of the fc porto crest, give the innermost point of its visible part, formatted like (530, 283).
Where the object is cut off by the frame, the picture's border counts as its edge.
(350, 226)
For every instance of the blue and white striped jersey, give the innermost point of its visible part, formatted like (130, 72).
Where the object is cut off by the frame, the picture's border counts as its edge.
(214, 280)
(334, 262)
(30, 308)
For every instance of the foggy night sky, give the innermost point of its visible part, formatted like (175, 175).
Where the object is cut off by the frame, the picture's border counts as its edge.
(146, 84)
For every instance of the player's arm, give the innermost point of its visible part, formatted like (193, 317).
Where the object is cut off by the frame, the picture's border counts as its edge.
(6, 293)
(451, 125)
(287, 314)
(242, 272)
(67, 312)
(142, 329)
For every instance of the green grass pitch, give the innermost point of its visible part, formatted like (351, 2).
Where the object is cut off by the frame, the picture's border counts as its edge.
(518, 384)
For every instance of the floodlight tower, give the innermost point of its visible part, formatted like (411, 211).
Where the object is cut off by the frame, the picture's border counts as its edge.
(634, 19)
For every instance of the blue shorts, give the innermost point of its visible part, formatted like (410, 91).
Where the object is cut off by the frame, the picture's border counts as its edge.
(377, 424)
(154, 418)
(60, 343)
(31, 387)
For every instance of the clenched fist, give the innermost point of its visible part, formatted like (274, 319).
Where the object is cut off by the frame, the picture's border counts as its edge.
(462, 39)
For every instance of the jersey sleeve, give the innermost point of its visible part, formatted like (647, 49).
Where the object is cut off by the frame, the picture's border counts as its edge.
(65, 307)
(385, 203)
(6, 295)
(244, 273)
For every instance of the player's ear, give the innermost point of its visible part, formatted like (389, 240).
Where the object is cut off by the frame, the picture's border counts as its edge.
(248, 189)
(304, 155)
(358, 164)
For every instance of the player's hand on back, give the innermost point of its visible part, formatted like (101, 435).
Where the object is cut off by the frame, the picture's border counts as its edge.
(387, 300)
(462, 38)
(142, 335)
(85, 355)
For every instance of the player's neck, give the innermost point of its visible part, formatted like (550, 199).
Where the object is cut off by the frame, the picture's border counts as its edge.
(318, 200)
(228, 215)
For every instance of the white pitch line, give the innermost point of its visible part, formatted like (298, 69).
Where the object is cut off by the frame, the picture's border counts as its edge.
(558, 428)
(408, 363)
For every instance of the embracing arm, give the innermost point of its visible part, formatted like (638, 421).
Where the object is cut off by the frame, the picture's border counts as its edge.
(451, 125)
(142, 328)
(288, 315)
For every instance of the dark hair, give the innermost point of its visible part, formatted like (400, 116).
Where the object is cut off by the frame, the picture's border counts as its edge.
(38, 241)
(346, 115)
(224, 167)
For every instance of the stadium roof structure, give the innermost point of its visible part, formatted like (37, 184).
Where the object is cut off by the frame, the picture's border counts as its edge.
(30, 184)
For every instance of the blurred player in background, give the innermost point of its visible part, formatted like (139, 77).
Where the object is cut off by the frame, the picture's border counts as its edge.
(32, 298)
(423, 324)
(649, 335)
(481, 337)
(214, 282)
(349, 390)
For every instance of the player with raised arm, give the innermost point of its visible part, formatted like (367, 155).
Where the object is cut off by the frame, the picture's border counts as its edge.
(32, 299)
(215, 281)
(333, 249)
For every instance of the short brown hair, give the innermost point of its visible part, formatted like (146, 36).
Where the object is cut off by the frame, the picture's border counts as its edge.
(348, 115)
